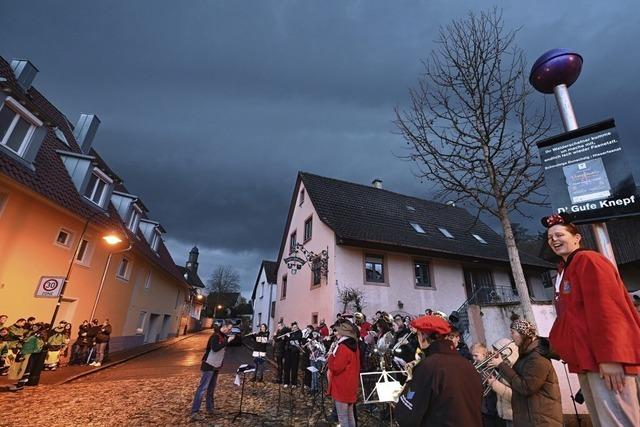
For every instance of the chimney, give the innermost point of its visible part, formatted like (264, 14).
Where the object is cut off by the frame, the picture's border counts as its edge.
(85, 131)
(377, 183)
(24, 71)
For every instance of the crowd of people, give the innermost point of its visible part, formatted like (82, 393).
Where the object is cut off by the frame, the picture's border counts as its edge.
(29, 346)
(511, 382)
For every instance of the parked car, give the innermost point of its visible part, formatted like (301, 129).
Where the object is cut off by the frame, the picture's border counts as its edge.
(238, 336)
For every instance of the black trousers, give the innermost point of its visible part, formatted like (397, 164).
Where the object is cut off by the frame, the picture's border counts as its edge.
(291, 361)
(280, 368)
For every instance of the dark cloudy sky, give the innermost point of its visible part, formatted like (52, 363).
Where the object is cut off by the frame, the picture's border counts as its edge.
(209, 108)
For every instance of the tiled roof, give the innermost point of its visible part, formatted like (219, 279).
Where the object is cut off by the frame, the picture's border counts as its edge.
(50, 179)
(368, 216)
(270, 270)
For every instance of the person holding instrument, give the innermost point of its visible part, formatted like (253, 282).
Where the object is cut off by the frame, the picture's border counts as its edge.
(597, 329)
(445, 389)
(260, 352)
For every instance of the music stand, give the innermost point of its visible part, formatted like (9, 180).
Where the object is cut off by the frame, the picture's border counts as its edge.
(381, 390)
(243, 369)
(323, 411)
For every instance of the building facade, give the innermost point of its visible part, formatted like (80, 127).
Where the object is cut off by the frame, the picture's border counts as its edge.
(58, 202)
(263, 297)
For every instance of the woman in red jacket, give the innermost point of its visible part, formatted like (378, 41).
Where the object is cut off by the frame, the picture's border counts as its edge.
(597, 330)
(343, 364)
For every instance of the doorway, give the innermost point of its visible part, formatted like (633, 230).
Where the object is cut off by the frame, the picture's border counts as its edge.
(67, 310)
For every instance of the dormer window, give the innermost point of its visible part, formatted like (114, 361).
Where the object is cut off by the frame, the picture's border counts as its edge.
(17, 126)
(98, 187)
(155, 241)
(480, 239)
(134, 219)
(445, 233)
(417, 228)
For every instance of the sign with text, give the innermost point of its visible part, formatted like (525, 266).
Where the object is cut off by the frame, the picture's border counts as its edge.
(49, 287)
(587, 174)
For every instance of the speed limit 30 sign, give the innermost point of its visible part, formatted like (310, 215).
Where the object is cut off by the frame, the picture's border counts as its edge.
(49, 287)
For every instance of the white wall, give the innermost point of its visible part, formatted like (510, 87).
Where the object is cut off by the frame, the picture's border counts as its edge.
(265, 293)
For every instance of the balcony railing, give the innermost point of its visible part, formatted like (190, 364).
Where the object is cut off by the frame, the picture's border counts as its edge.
(497, 294)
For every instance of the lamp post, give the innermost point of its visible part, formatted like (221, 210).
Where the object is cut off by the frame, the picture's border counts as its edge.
(554, 72)
(113, 240)
(219, 307)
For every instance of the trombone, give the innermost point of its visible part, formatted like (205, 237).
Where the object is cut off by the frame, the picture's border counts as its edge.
(486, 371)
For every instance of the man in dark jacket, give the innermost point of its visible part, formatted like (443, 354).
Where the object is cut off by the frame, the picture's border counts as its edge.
(212, 361)
(278, 350)
(445, 389)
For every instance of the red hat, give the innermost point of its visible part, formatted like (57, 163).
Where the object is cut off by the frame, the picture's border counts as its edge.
(432, 325)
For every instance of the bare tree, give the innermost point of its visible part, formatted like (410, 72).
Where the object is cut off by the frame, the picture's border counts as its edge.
(224, 279)
(471, 128)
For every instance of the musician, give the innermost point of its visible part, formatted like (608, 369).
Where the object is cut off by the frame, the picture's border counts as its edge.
(456, 338)
(445, 389)
(305, 356)
(278, 349)
(489, 408)
(535, 398)
(292, 356)
(399, 328)
(501, 386)
(323, 329)
(260, 352)
(597, 331)
(364, 326)
(343, 363)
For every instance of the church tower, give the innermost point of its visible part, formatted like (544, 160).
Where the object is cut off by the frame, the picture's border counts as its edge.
(192, 263)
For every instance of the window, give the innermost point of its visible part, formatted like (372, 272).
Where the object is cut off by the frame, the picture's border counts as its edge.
(316, 273)
(273, 309)
(293, 242)
(262, 290)
(134, 219)
(177, 299)
(64, 238)
(417, 228)
(141, 318)
(423, 278)
(480, 239)
(411, 208)
(314, 318)
(445, 233)
(308, 229)
(17, 126)
(155, 241)
(259, 319)
(82, 256)
(123, 269)
(284, 287)
(98, 187)
(374, 268)
(301, 197)
(147, 280)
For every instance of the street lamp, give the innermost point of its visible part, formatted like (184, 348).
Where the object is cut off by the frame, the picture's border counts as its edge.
(219, 307)
(111, 239)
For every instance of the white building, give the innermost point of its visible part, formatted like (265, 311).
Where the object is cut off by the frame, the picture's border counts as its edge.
(404, 254)
(264, 296)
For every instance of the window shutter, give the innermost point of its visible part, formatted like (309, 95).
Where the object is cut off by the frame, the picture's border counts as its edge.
(35, 143)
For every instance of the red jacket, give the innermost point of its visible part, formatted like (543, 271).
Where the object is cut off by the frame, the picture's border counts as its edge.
(344, 372)
(597, 322)
(364, 329)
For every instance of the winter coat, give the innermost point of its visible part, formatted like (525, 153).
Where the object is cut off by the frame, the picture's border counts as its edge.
(503, 391)
(260, 349)
(535, 399)
(56, 341)
(343, 366)
(596, 322)
(16, 334)
(365, 327)
(217, 342)
(104, 334)
(279, 341)
(31, 345)
(445, 391)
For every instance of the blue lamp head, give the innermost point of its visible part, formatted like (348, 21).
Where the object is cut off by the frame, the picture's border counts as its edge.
(555, 67)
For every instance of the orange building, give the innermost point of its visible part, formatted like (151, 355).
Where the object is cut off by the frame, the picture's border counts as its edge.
(58, 200)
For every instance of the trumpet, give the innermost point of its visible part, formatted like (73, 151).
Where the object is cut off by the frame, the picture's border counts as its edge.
(486, 371)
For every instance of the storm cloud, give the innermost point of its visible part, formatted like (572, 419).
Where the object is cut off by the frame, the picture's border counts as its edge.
(209, 108)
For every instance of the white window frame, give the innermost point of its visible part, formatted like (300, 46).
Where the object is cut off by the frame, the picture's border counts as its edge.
(20, 112)
(127, 269)
(155, 240)
(134, 218)
(87, 254)
(147, 280)
(69, 241)
(107, 181)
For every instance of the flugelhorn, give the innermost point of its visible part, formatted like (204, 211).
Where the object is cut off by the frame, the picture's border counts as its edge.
(486, 371)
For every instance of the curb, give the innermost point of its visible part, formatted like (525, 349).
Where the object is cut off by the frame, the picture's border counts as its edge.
(126, 359)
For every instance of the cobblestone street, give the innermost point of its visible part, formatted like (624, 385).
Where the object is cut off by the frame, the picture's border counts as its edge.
(157, 389)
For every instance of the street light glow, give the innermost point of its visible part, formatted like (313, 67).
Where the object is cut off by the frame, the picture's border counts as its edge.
(219, 307)
(199, 297)
(112, 239)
